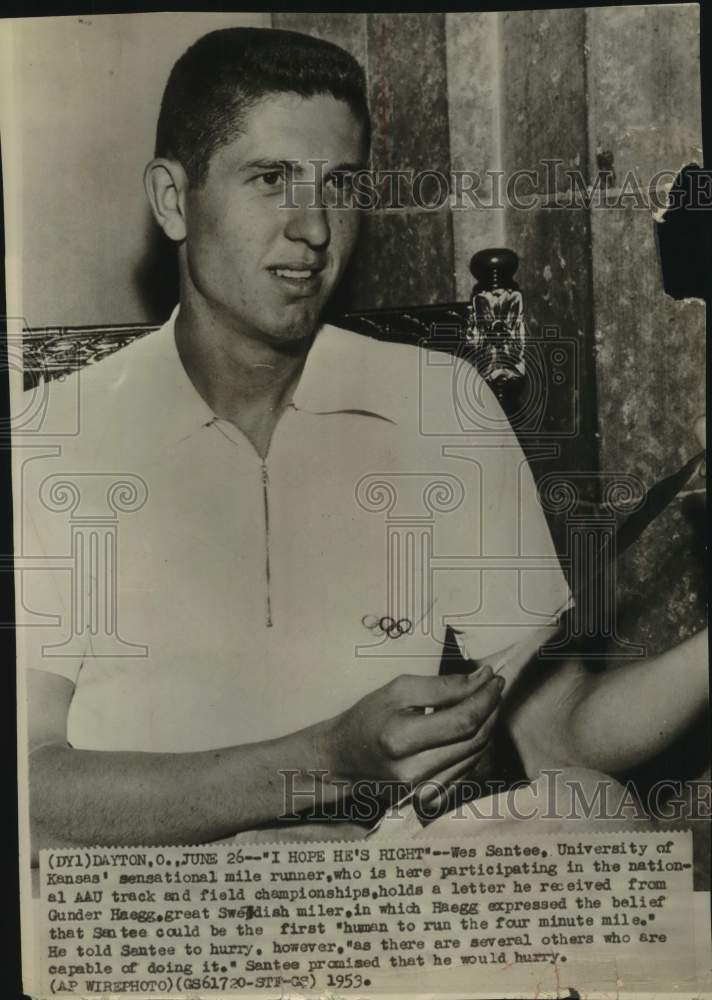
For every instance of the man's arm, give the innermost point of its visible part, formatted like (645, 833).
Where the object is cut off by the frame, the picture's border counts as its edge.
(631, 713)
(562, 715)
(103, 797)
(86, 797)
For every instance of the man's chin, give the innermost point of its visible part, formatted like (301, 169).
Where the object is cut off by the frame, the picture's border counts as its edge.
(294, 330)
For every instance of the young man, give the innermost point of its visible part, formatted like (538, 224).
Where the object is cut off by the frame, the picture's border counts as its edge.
(267, 469)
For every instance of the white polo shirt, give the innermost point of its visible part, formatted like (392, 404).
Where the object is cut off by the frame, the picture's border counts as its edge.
(200, 597)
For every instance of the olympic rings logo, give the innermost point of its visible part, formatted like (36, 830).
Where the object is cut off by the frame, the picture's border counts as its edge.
(391, 627)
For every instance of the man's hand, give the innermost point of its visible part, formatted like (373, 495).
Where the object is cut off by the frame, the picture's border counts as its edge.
(122, 798)
(388, 736)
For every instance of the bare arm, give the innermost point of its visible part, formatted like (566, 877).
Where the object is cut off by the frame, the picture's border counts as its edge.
(85, 797)
(564, 716)
(633, 712)
(105, 797)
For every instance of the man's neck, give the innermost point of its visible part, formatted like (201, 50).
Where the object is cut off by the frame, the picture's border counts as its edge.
(244, 380)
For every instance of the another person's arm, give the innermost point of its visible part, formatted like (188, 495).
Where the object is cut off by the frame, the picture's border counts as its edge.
(86, 797)
(629, 714)
(562, 715)
(612, 721)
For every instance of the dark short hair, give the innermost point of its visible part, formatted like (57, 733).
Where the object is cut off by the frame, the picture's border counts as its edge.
(222, 75)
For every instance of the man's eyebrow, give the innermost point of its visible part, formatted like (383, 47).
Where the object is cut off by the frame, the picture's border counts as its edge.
(286, 165)
(346, 168)
(296, 166)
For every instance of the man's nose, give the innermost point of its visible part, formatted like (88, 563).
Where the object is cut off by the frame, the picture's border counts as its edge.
(308, 222)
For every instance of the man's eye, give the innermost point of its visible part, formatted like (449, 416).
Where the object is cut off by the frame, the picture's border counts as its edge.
(272, 178)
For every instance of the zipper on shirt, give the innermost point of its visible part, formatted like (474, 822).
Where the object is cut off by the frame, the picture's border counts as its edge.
(215, 422)
(265, 498)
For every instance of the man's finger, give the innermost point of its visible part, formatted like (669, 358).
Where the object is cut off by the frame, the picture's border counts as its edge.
(411, 734)
(428, 763)
(413, 691)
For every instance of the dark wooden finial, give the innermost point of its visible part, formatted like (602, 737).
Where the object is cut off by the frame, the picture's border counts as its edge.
(494, 268)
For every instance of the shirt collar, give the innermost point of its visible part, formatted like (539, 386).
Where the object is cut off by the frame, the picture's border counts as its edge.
(345, 372)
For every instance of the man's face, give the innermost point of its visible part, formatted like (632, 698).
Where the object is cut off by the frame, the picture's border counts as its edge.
(265, 269)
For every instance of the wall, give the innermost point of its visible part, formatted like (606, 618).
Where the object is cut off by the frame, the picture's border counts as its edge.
(644, 110)
(80, 102)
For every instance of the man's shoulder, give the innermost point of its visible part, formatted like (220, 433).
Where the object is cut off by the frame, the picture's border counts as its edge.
(110, 394)
(362, 373)
(379, 348)
(116, 372)
(439, 389)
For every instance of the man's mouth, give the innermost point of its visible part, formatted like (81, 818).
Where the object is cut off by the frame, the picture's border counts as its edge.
(293, 272)
(298, 277)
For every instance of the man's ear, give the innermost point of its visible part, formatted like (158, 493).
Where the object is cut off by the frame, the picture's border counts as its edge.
(166, 183)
